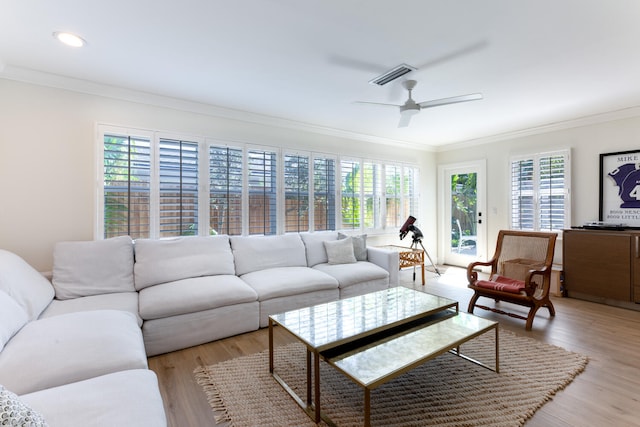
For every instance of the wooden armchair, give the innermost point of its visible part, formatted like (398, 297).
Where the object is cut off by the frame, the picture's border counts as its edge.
(520, 273)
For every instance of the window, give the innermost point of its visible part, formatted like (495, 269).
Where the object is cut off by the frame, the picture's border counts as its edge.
(540, 188)
(324, 196)
(225, 190)
(350, 189)
(261, 167)
(393, 196)
(126, 187)
(372, 194)
(409, 193)
(376, 195)
(156, 186)
(178, 185)
(296, 193)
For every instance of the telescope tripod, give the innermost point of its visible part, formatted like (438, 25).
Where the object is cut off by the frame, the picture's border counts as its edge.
(414, 245)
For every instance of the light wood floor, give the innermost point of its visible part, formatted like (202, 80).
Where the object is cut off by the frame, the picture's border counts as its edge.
(607, 393)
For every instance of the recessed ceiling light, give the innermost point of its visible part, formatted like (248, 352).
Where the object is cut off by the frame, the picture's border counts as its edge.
(69, 39)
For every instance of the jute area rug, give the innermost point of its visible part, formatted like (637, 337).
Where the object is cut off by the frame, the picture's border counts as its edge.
(446, 391)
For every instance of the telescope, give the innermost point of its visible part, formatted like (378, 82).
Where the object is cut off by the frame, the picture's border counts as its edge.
(417, 234)
(417, 240)
(405, 227)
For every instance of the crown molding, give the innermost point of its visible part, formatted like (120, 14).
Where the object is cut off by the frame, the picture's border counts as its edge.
(26, 75)
(609, 116)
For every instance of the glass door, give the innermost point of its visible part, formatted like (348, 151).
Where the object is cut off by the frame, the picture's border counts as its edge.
(463, 205)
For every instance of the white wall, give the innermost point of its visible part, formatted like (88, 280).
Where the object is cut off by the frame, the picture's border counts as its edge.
(586, 143)
(48, 167)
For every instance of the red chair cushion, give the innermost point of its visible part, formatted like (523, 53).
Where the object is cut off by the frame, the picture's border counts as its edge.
(501, 283)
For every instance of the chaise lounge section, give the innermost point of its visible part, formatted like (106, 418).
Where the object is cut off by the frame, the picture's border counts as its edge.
(57, 363)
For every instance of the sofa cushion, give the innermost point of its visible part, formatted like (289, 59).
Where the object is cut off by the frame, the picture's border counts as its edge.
(186, 330)
(287, 281)
(129, 398)
(359, 245)
(93, 267)
(340, 251)
(125, 301)
(24, 284)
(71, 347)
(12, 318)
(351, 274)
(256, 253)
(314, 244)
(166, 260)
(15, 412)
(193, 295)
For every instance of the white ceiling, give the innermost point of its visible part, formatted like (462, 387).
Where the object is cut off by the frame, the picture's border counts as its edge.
(536, 62)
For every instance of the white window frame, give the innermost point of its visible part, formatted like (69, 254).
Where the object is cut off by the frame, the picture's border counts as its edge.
(203, 174)
(536, 191)
(204, 145)
(102, 130)
(336, 188)
(282, 190)
(207, 189)
(278, 183)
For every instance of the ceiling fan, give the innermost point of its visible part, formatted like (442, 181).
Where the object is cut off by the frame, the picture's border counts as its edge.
(411, 107)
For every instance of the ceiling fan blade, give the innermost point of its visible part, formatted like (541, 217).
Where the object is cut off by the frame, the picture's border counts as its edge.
(452, 100)
(356, 64)
(405, 119)
(377, 103)
(454, 54)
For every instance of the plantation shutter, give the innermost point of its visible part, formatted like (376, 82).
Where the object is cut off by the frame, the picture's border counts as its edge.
(410, 193)
(155, 185)
(127, 183)
(262, 192)
(393, 195)
(350, 183)
(296, 193)
(372, 194)
(225, 190)
(324, 196)
(539, 188)
(522, 193)
(552, 192)
(178, 184)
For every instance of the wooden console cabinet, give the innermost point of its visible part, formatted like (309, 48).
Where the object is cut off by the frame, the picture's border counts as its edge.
(602, 266)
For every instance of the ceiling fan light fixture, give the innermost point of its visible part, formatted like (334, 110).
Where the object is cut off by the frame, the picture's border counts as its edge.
(69, 39)
(391, 75)
(409, 110)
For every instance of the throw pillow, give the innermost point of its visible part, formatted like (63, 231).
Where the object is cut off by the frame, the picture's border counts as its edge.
(359, 245)
(340, 251)
(14, 412)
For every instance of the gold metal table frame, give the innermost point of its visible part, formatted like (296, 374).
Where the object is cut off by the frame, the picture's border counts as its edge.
(396, 316)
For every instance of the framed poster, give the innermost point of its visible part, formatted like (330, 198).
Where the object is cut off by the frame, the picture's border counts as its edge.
(620, 188)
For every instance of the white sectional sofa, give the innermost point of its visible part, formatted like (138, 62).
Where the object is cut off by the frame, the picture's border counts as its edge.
(74, 349)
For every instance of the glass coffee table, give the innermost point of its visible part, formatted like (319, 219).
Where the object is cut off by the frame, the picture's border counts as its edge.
(357, 336)
(379, 361)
